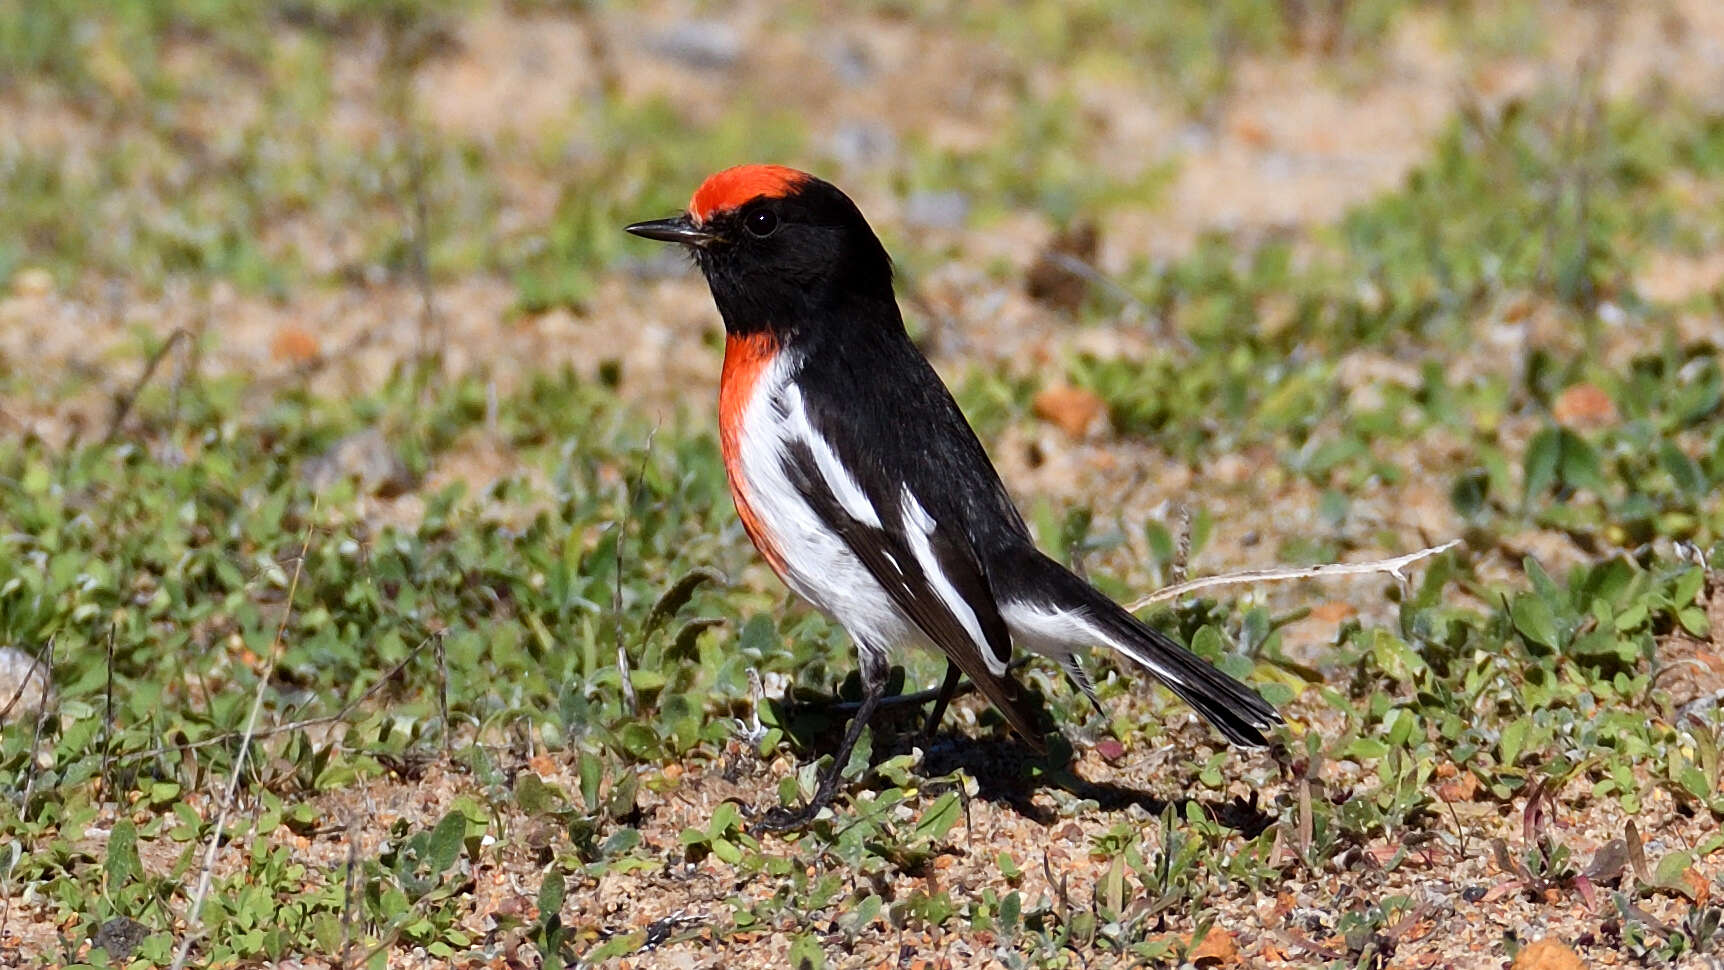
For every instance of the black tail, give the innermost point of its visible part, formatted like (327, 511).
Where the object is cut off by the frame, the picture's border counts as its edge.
(1235, 709)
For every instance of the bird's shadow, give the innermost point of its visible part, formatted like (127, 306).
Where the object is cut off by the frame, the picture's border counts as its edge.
(1008, 770)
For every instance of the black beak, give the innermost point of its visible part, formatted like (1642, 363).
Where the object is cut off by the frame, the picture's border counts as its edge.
(679, 230)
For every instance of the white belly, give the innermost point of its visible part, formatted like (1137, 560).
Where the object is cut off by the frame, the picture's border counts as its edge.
(818, 565)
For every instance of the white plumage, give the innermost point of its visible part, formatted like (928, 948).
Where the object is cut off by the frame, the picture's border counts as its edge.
(818, 565)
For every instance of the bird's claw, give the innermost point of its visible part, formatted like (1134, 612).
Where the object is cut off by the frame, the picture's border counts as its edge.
(781, 819)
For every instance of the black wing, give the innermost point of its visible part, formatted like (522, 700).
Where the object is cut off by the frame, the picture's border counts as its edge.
(889, 553)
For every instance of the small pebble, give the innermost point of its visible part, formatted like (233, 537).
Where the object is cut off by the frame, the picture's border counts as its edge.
(706, 45)
(862, 144)
(25, 685)
(33, 281)
(851, 63)
(120, 937)
(366, 457)
(936, 210)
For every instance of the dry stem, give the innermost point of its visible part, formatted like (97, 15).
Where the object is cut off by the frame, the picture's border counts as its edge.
(195, 914)
(1391, 566)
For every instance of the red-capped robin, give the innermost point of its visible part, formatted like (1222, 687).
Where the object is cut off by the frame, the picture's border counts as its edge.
(861, 483)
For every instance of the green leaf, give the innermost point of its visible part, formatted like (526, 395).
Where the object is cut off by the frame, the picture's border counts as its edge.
(338, 774)
(535, 797)
(1581, 467)
(1559, 456)
(191, 823)
(446, 841)
(647, 680)
(1535, 620)
(759, 638)
(592, 776)
(1400, 723)
(939, 818)
(552, 890)
(1631, 617)
(1011, 910)
(620, 803)
(1366, 749)
(1669, 870)
(1693, 620)
(1208, 644)
(1542, 585)
(806, 954)
(1543, 454)
(621, 841)
(686, 637)
(637, 741)
(676, 597)
(1113, 886)
(1687, 587)
(899, 770)
(616, 946)
(163, 792)
(123, 864)
(1470, 492)
(1514, 739)
(726, 818)
(860, 756)
(862, 914)
(1396, 658)
(727, 851)
(1683, 470)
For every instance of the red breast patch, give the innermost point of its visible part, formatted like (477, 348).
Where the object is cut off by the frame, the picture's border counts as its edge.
(735, 186)
(745, 359)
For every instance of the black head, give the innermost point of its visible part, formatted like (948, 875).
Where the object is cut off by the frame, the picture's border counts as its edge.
(781, 249)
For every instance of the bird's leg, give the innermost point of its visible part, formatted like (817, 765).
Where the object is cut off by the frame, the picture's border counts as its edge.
(948, 690)
(873, 688)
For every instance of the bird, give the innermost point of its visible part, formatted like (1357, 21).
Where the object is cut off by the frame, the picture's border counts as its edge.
(863, 486)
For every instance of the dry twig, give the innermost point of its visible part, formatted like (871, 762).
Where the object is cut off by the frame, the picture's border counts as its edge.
(629, 496)
(347, 894)
(24, 682)
(124, 403)
(299, 725)
(41, 722)
(195, 914)
(1181, 565)
(1392, 567)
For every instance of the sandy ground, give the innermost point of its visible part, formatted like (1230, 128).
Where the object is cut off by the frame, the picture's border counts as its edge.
(1461, 903)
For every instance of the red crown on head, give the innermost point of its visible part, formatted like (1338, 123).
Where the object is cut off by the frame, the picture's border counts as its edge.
(735, 186)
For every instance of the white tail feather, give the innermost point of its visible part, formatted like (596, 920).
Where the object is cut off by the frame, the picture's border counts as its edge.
(1057, 633)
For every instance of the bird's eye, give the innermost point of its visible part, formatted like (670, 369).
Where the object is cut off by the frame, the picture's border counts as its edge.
(761, 223)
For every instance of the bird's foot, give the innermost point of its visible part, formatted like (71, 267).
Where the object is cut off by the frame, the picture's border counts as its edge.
(781, 819)
(928, 737)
